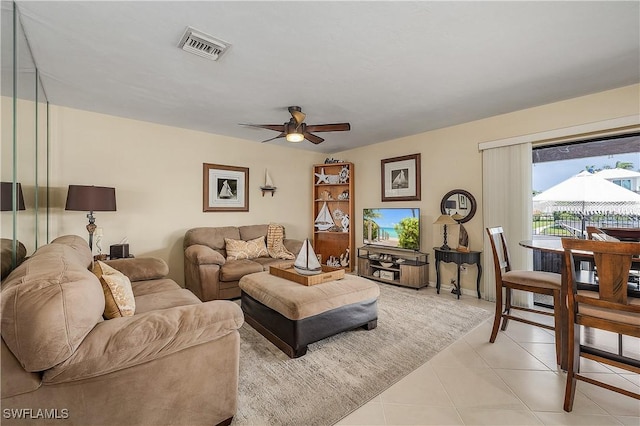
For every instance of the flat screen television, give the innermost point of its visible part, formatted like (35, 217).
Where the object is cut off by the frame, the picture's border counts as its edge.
(392, 227)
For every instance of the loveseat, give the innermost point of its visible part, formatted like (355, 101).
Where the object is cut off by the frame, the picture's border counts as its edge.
(173, 362)
(211, 272)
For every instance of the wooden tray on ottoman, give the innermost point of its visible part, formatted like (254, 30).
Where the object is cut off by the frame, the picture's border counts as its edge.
(329, 273)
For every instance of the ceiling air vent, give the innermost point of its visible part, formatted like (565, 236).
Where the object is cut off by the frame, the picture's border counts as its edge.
(202, 44)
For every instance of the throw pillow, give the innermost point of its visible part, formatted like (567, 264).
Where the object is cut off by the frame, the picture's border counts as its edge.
(118, 295)
(239, 249)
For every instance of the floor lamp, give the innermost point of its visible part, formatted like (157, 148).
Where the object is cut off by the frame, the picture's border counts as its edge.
(92, 199)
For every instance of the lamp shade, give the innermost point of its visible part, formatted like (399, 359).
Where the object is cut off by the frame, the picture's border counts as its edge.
(7, 197)
(91, 198)
(445, 219)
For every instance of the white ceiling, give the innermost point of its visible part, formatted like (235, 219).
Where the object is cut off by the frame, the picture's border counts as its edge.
(391, 69)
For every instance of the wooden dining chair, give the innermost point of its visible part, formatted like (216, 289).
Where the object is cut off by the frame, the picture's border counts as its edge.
(595, 233)
(610, 309)
(532, 281)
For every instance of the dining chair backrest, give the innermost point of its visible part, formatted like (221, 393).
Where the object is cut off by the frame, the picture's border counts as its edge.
(595, 233)
(607, 309)
(613, 261)
(500, 250)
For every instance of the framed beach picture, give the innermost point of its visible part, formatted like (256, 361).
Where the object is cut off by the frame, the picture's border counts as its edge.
(225, 188)
(401, 178)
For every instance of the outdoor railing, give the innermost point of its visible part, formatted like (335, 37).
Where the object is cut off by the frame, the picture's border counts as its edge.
(565, 224)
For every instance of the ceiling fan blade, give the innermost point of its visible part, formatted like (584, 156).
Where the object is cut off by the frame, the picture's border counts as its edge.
(312, 138)
(336, 127)
(281, 135)
(297, 114)
(275, 127)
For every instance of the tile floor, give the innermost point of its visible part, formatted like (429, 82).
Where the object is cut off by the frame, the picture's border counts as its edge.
(514, 381)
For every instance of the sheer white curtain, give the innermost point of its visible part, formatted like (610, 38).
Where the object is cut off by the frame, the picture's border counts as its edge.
(506, 189)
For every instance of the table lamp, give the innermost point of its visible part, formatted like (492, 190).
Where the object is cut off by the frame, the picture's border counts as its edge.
(91, 199)
(445, 220)
(6, 192)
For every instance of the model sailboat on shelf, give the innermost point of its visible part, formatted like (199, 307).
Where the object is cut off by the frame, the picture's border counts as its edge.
(268, 184)
(307, 262)
(324, 220)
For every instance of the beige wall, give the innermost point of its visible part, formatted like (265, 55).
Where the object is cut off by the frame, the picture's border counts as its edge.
(157, 173)
(451, 160)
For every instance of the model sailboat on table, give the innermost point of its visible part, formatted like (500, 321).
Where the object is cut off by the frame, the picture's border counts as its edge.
(324, 220)
(307, 262)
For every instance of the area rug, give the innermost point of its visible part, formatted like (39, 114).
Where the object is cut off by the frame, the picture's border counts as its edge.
(343, 372)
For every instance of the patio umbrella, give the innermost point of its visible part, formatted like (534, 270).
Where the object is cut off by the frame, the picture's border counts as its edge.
(586, 193)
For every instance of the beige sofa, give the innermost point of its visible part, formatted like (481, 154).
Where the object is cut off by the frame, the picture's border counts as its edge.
(174, 362)
(209, 274)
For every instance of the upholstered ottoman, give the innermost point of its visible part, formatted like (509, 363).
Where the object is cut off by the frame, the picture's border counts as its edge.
(293, 315)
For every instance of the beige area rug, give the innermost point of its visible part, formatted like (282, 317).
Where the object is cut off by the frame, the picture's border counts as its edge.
(343, 372)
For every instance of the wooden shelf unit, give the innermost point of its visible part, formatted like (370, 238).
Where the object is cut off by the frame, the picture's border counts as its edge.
(327, 243)
(408, 268)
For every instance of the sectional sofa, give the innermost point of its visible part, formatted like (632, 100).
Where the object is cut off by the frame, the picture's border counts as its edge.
(174, 362)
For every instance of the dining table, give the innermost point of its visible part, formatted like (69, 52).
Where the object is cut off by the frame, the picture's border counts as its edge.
(585, 279)
(623, 234)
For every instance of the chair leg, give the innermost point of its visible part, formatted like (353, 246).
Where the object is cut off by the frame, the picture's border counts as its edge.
(498, 315)
(507, 307)
(557, 325)
(574, 364)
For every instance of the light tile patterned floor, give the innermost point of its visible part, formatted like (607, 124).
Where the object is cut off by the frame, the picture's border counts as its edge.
(512, 382)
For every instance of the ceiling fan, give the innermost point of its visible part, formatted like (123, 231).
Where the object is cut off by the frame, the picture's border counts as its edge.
(296, 130)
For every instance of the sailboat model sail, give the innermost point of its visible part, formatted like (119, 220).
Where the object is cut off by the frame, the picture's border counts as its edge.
(324, 220)
(307, 262)
(268, 183)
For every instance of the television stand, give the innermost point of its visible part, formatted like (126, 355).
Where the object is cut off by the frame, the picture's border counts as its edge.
(388, 265)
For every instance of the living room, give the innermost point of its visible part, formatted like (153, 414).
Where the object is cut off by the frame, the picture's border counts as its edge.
(157, 171)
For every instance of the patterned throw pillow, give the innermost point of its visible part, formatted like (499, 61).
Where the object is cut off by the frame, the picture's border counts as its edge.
(239, 249)
(118, 295)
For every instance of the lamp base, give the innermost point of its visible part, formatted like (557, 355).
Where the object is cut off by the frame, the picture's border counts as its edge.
(91, 228)
(445, 247)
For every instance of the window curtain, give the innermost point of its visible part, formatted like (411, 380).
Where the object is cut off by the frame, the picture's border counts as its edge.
(506, 189)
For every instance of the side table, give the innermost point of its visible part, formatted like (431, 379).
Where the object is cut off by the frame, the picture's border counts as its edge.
(459, 258)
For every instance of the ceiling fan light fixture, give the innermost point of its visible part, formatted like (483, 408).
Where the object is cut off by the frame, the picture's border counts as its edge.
(294, 132)
(295, 137)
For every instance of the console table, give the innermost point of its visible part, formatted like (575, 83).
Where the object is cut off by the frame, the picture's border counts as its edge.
(459, 258)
